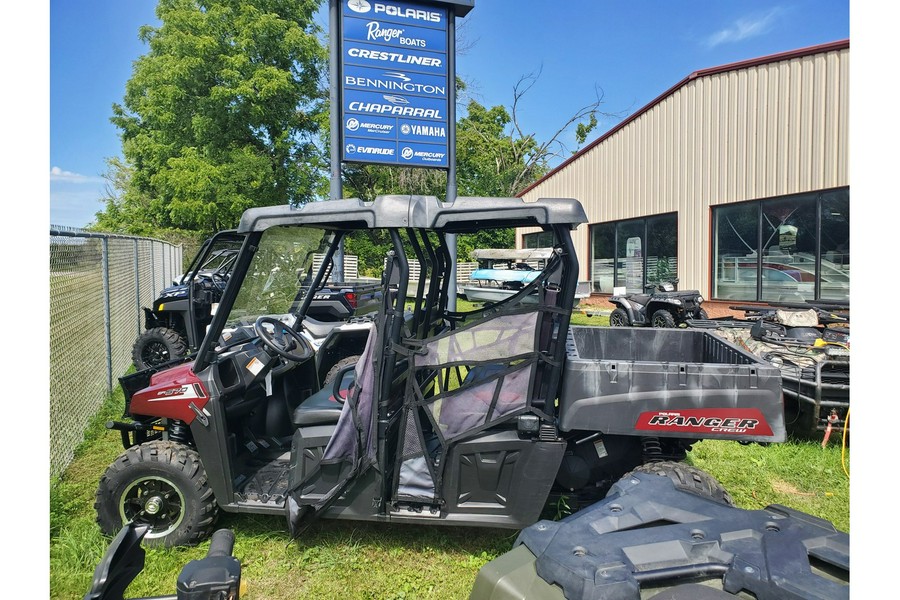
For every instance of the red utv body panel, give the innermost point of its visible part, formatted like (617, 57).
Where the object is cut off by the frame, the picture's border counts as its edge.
(170, 395)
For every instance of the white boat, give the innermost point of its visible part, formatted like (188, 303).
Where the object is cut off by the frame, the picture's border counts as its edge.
(502, 273)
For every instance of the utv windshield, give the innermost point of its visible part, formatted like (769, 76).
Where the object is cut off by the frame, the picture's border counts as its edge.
(276, 276)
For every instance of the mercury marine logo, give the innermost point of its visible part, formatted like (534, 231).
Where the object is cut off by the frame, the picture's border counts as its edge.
(722, 421)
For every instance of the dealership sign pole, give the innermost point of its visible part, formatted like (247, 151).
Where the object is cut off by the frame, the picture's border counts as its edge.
(393, 75)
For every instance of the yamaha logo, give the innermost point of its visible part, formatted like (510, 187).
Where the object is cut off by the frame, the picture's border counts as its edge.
(352, 124)
(359, 6)
(404, 129)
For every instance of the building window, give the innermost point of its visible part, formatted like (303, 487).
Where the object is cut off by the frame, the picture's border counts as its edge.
(789, 249)
(634, 253)
(541, 239)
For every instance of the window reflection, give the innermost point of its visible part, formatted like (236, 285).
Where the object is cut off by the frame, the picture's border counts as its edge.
(800, 260)
(634, 253)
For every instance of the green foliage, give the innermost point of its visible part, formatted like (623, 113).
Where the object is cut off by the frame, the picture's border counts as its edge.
(223, 113)
(492, 160)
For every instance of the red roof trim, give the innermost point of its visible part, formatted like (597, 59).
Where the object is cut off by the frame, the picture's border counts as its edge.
(744, 64)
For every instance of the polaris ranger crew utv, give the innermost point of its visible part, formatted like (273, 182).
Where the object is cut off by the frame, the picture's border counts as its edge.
(176, 323)
(466, 418)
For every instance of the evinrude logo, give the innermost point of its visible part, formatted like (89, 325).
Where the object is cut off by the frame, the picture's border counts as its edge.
(722, 421)
(352, 149)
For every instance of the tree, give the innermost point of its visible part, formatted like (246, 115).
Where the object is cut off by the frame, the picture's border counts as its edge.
(496, 156)
(222, 114)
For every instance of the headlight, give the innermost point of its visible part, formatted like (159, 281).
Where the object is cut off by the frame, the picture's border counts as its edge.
(676, 301)
(699, 299)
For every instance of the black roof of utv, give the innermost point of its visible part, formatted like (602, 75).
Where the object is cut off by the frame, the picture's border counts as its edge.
(465, 214)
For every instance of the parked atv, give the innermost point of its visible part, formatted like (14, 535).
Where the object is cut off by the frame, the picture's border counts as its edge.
(670, 532)
(337, 325)
(177, 321)
(660, 306)
(467, 418)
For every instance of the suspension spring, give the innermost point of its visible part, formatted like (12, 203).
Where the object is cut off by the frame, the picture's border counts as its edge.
(652, 449)
(179, 432)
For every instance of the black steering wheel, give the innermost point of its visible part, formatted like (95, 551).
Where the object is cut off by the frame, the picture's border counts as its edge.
(285, 342)
(220, 280)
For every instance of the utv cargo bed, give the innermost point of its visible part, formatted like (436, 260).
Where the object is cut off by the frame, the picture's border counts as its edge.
(668, 383)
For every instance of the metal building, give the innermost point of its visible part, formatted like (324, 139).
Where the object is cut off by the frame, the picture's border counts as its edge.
(735, 180)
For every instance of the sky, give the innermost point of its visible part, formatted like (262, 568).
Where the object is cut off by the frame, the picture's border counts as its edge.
(629, 51)
(70, 60)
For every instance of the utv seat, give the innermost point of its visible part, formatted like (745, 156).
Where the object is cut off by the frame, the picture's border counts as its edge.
(318, 409)
(318, 329)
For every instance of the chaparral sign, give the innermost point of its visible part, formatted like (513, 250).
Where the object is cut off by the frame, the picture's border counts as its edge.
(394, 79)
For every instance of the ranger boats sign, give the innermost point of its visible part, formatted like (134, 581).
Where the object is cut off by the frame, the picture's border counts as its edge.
(394, 79)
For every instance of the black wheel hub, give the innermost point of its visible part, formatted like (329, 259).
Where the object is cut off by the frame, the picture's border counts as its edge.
(153, 501)
(155, 353)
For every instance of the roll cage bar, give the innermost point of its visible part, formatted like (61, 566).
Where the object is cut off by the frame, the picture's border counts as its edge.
(425, 214)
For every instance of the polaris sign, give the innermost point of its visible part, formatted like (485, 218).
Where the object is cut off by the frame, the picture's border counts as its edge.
(394, 77)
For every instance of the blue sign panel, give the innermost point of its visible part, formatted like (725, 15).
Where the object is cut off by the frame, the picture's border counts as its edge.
(420, 131)
(394, 80)
(385, 57)
(405, 13)
(370, 127)
(393, 34)
(422, 155)
(373, 103)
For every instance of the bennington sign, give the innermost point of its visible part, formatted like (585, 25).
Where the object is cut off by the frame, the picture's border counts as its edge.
(394, 78)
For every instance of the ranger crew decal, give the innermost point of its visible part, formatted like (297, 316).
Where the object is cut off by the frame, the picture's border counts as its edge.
(706, 420)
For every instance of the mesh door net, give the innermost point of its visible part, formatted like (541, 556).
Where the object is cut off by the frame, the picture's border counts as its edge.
(463, 382)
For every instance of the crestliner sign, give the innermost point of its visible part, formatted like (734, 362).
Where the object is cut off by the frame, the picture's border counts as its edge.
(394, 78)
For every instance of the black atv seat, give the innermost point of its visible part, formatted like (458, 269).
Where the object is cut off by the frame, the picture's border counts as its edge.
(641, 299)
(318, 409)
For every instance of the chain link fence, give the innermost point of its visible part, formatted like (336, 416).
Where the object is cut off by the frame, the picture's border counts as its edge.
(98, 286)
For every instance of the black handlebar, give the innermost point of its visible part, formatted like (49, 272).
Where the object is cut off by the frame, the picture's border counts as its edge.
(219, 573)
(222, 543)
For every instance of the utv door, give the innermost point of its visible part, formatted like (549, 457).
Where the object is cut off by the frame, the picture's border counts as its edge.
(477, 442)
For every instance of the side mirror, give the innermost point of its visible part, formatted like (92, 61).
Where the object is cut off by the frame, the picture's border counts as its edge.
(343, 382)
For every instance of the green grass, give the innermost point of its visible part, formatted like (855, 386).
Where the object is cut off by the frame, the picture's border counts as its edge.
(336, 559)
